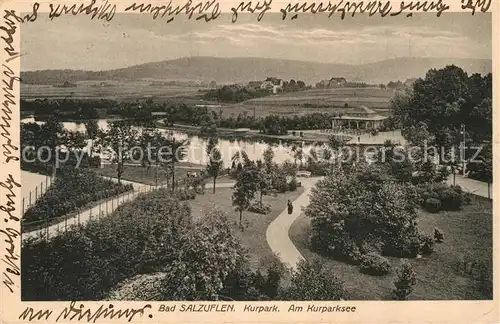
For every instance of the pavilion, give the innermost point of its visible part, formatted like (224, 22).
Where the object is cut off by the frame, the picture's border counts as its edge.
(367, 119)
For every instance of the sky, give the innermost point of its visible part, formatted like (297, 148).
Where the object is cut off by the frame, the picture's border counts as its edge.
(77, 42)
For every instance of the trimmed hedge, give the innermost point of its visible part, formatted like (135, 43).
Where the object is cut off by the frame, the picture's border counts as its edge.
(435, 197)
(72, 189)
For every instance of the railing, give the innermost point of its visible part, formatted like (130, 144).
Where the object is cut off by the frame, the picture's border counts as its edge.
(30, 199)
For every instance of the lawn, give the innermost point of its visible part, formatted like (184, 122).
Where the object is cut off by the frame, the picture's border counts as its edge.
(466, 232)
(253, 236)
(141, 174)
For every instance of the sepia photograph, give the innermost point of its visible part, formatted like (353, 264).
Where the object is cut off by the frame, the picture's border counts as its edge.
(313, 159)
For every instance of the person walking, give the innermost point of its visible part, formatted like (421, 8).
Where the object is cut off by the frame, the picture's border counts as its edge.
(290, 207)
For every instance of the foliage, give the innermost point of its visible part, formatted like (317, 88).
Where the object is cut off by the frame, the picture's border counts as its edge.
(259, 208)
(268, 156)
(244, 190)
(438, 235)
(351, 206)
(426, 243)
(438, 196)
(210, 251)
(120, 138)
(432, 205)
(72, 189)
(150, 227)
(215, 163)
(374, 264)
(313, 281)
(405, 281)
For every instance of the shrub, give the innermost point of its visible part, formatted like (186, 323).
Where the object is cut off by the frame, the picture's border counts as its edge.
(405, 281)
(259, 209)
(426, 243)
(374, 264)
(292, 185)
(438, 235)
(313, 281)
(451, 200)
(432, 205)
(372, 244)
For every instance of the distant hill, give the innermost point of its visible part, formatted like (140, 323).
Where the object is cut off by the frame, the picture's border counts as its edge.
(226, 70)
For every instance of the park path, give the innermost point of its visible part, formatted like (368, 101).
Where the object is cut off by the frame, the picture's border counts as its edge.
(104, 208)
(277, 232)
(476, 187)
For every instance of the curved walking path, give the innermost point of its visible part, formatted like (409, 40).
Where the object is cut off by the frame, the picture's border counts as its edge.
(103, 209)
(277, 232)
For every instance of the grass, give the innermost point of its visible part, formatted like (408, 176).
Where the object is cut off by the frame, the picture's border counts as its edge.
(466, 232)
(253, 236)
(141, 174)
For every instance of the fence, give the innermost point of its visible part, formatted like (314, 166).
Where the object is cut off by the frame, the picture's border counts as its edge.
(30, 199)
(45, 229)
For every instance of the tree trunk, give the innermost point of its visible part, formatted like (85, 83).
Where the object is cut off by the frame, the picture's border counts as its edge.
(215, 178)
(241, 214)
(489, 189)
(261, 198)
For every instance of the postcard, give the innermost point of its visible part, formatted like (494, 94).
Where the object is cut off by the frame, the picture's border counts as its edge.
(249, 162)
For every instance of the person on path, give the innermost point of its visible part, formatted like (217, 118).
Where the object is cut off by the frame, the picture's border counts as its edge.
(290, 207)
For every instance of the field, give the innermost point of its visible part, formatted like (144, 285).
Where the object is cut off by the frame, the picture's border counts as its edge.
(118, 90)
(468, 233)
(296, 103)
(314, 101)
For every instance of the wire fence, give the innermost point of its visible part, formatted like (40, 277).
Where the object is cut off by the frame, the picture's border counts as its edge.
(47, 228)
(32, 196)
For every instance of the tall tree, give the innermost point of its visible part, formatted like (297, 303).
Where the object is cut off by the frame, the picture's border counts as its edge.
(268, 157)
(244, 190)
(92, 130)
(215, 162)
(120, 138)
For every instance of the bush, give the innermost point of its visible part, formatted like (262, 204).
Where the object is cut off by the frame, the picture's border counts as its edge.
(259, 209)
(405, 281)
(451, 200)
(432, 205)
(313, 281)
(438, 235)
(150, 227)
(374, 264)
(372, 244)
(426, 243)
(292, 185)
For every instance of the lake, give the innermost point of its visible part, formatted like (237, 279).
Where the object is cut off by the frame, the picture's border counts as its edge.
(197, 145)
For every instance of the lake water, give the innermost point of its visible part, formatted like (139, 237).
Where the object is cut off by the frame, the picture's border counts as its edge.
(196, 148)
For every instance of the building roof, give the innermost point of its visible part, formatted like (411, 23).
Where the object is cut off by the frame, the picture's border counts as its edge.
(338, 79)
(368, 111)
(274, 80)
(367, 118)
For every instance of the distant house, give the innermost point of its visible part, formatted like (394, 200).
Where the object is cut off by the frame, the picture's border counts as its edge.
(409, 82)
(254, 84)
(337, 82)
(272, 84)
(212, 84)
